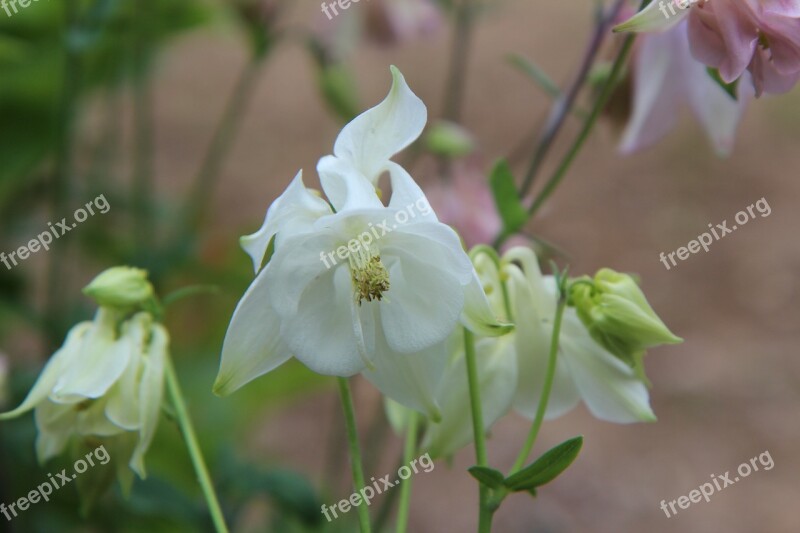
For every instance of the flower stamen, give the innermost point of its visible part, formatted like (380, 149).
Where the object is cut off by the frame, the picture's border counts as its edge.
(370, 277)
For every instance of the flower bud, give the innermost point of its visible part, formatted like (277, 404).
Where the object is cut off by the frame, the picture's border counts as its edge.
(449, 140)
(120, 287)
(617, 315)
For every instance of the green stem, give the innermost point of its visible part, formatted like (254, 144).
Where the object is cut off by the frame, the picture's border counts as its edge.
(204, 185)
(182, 414)
(600, 104)
(409, 451)
(355, 449)
(486, 512)
(63, 173)
(546, 389)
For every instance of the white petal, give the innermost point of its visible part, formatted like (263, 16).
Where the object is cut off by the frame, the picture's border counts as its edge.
(423, 304)
(610, 388)
(433, 243)
(293, 212)
(373, 137)
(323, 333)
(408, 196)
(410, 379)
(54, 424)
(653, 18)
(93, 422)
(52, 370)
(253, 345)
(122, 407)
(478, 315)
(496, 362)
(101, 362)
(345, 186)
(151, 395)
(533, 337)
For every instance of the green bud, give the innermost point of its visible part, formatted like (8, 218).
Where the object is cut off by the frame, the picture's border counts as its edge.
(617, 315)
(449, 140)
(120, 287)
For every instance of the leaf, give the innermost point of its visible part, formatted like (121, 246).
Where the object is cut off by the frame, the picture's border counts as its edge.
(533, 71)
(547, 467)
(506, 198)
(729, 88)
(487, 476)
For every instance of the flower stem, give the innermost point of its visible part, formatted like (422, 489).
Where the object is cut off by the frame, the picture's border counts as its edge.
(189, 435)
(405, 489)
(599, 105)
(565, 104)
(355, 449)
(548, 385)
(205, 183)
(486, 512)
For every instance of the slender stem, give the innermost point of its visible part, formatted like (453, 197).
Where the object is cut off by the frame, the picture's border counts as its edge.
(485, 512)
(203, 187)
(182, 414)
(355, 449)
(142, 183)
(61, 185)
(454, 88)
(566, 102)
(599, 105)
(409, 451)
(546, 389)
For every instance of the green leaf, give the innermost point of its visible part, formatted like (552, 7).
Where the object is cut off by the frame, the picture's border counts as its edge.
(729, 88)
(506, 198)
(547, 467)
(533, 71)
(487, 476)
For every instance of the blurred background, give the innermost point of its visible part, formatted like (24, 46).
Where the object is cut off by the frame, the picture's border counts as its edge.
(192, 116)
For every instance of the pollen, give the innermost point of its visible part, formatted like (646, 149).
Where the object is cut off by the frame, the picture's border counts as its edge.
(370, 277)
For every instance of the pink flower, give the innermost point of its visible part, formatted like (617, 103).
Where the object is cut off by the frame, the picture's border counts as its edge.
(734, 36)
(465, 203)
(666, 79)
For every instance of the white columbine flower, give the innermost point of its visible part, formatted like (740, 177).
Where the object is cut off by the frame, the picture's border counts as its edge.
(106, 381)
(611, 389)
(355, 285)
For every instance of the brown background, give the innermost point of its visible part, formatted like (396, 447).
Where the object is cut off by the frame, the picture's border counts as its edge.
(729, 393)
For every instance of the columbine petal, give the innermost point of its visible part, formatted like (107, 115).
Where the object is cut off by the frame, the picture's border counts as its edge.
(409, 320)
(410, 379)
(54, 424)
(151, 391)
(345, 186)
(497, 379)
(327, 333)
(651, 18)
(253, 345)
(372, 138)
(52, 370)
(293, 212)
(533, 340)
(610, 388)
(478, 316)
(102, 361)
